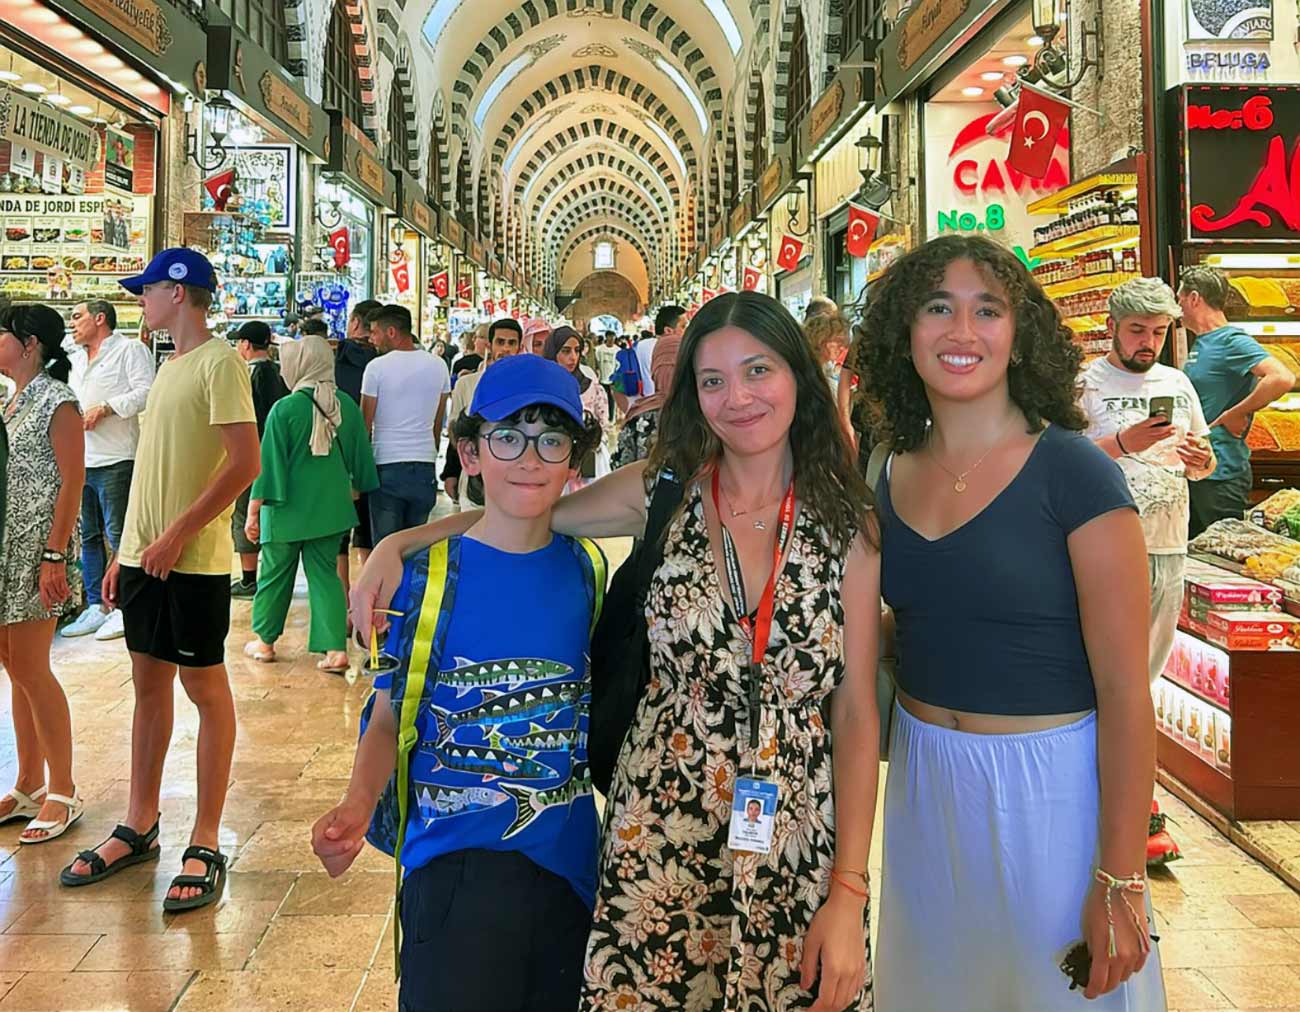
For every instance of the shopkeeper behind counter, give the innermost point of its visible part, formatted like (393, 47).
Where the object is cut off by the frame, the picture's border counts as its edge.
(1234, 377)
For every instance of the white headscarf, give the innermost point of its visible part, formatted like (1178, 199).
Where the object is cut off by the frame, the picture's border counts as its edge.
(308, 364)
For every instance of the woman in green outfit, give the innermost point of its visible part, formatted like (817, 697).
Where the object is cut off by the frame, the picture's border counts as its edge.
(315, 456)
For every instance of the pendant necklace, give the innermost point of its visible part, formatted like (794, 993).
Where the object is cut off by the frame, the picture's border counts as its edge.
(759, 525)
(959, 480)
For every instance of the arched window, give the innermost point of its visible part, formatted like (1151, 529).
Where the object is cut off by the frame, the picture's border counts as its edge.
(342, 89)
(863, 19)
(758, 157)
(464, 191)
(433, 177)
(800, 94)
(263, 22)
(398, 135)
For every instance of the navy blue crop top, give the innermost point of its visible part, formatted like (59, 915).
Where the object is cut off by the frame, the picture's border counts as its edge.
(988, 616)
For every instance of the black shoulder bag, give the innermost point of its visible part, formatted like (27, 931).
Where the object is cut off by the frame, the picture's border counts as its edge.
(620, 645)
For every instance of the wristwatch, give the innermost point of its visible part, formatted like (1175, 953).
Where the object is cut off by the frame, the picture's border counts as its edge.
(49, 555)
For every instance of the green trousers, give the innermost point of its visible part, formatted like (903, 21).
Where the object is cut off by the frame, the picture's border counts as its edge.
(275, 580)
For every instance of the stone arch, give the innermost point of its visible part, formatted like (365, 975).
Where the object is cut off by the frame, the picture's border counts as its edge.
(756, 119)
(609, 130)
(586, 196)
(601, 162)
(584, 232)
(604, 292)
(781, 92)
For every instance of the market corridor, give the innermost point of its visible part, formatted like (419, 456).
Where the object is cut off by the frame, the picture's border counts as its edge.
(286, 938)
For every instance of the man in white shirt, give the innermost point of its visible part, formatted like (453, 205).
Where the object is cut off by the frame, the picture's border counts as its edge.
(403, 399)
(505, 338)
(1122, 394)
(111, 376)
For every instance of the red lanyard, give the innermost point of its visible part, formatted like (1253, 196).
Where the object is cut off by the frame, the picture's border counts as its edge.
(759, 630)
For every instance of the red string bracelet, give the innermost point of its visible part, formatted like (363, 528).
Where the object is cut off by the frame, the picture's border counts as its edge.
(838, 878)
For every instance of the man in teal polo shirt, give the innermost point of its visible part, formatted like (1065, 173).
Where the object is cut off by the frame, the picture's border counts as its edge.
(1234, 377)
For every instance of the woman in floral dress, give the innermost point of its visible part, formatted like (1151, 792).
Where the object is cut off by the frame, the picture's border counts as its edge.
(45, 476)
(682, 920)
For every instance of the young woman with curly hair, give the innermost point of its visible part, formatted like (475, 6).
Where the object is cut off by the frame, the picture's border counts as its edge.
(1023, 741)
(773, 530)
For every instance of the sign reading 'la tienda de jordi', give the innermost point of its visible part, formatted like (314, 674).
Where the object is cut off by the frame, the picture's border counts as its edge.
(1241, 163)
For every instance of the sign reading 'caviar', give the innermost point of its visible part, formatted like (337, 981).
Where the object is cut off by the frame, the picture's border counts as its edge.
(1241, 178)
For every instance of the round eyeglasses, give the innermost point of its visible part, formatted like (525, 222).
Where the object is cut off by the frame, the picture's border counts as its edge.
(553, 447)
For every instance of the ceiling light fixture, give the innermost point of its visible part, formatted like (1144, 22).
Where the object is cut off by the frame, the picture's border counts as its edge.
(58, 99)
(992, 75)
(972, 92)
(9, 75)
(32, 88)
(80, 110)
(1016, 60)
(1034, 40)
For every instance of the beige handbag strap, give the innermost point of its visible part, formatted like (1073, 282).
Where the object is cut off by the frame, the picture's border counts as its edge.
(876, 464)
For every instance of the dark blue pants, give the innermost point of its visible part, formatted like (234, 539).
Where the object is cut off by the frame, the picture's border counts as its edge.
(406, 495)
(103, 512)
(1211, 500)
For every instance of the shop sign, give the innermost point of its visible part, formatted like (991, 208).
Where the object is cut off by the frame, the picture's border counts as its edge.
(826, 113)
(370, 173)
(1224, 20)
(772, 182)
(453, 232)
(1218, 65)
(282, 101)
(925, 37)
(351, 154)
(140, 20)
(717, 234)
(1255, 132)
(27, 122)
(93, 205)
(740, 217)
(419, 214)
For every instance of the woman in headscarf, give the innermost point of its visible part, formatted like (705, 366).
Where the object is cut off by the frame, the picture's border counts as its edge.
(316, 458)
(564, 346)
(642, 420)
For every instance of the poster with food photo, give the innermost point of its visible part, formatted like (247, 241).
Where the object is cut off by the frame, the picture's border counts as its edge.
(17, 230)
(47, 230)
(76, 230)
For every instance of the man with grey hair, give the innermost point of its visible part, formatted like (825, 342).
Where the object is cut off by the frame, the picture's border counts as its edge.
(111, 376)
(1148, 417)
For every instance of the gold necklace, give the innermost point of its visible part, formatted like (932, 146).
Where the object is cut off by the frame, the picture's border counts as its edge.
(759, 525)
(959, 480)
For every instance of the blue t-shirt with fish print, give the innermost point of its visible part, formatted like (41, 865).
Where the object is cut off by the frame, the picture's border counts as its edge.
(502, 758)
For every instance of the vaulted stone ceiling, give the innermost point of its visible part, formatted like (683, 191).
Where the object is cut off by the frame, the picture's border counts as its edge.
(556, 121)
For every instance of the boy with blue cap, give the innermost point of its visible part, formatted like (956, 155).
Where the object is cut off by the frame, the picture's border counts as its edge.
(198, 450)
(499, 844)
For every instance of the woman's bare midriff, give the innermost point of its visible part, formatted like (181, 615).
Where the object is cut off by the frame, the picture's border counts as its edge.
(984, 723)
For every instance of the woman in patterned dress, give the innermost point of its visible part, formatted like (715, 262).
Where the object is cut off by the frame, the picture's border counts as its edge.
(46, 473)
(682, 921)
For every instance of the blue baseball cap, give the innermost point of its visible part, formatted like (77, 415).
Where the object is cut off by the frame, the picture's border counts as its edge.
(519, 381)
(181, 265)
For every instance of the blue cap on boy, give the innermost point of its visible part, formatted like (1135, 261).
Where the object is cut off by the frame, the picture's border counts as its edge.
(513, 383)
(178, 264)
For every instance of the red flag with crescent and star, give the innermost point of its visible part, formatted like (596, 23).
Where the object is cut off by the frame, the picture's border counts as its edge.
(504, 305)
(489, 306)
(706, 295)
(1039, 119)
(220, 187)
(862, 230)
(464, 288)
(440, 284)
(751, 280)
(341, 243)
(788, 256)
(401, 269)
(514, 313)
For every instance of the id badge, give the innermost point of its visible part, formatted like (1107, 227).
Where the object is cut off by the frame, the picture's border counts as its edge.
(753, 816)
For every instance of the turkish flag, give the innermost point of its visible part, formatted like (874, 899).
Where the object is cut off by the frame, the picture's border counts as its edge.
(401, 269)
(862, 230)
(341, 243)
(1039, 119)
(707, 295)
(464, 288)
(791, 250)
(752, 278)
(489, 306)
(504, 305)
(439, 284)
(514, 313)
(220, 186)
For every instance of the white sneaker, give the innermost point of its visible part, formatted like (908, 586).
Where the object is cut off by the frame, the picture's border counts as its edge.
(112, 628)
(87, 622)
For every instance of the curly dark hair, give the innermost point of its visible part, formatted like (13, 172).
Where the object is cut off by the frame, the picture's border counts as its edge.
(1045, 365)
(826, 477)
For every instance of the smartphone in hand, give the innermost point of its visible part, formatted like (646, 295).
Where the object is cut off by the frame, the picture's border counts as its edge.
(1162, 407)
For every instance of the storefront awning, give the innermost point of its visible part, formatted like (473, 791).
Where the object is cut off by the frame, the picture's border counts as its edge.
(157, 35)
(920, 43)
(839, 107)
(352, 155)
(252, 77)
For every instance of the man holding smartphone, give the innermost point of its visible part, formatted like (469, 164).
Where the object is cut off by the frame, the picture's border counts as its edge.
(1148, 417)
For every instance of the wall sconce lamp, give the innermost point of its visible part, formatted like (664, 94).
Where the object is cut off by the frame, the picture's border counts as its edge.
(877, 187)
(329, 214)
(793, 201)
(219, 111)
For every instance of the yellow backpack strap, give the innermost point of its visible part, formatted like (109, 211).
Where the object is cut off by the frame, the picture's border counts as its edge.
(408, 737)
(598, 573)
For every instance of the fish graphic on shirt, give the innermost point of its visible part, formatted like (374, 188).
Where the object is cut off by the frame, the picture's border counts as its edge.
(536, 703)
(437, 801)
(489, 763)
(538, 737)
(530, 803)
(511, 673)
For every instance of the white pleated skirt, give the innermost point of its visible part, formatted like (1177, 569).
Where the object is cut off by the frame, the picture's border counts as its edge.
(990, 844)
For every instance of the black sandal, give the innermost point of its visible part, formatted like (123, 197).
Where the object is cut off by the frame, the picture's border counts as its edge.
(142, 849)
(212, 882)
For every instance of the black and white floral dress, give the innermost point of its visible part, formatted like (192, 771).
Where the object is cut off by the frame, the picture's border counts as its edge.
(636, 439)
(34, 482)
(681, 921)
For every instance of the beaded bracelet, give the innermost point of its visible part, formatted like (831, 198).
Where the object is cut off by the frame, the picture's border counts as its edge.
(1133, 884)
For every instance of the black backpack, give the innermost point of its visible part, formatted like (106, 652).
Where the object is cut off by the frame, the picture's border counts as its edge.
(620, 645)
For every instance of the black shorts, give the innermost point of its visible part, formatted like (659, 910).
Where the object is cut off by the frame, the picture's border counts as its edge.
(361, 536)
(531, 915)
(183, 620)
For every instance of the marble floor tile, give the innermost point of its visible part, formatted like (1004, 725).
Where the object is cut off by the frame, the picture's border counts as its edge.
(245, 991)
(139, 991)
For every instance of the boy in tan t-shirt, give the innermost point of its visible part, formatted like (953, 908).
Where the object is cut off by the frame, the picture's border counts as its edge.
(198, 450)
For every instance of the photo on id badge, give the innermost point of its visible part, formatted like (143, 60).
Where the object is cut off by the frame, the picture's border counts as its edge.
(753, 816)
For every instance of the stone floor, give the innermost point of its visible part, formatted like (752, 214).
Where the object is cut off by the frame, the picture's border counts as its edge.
(286, 938)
